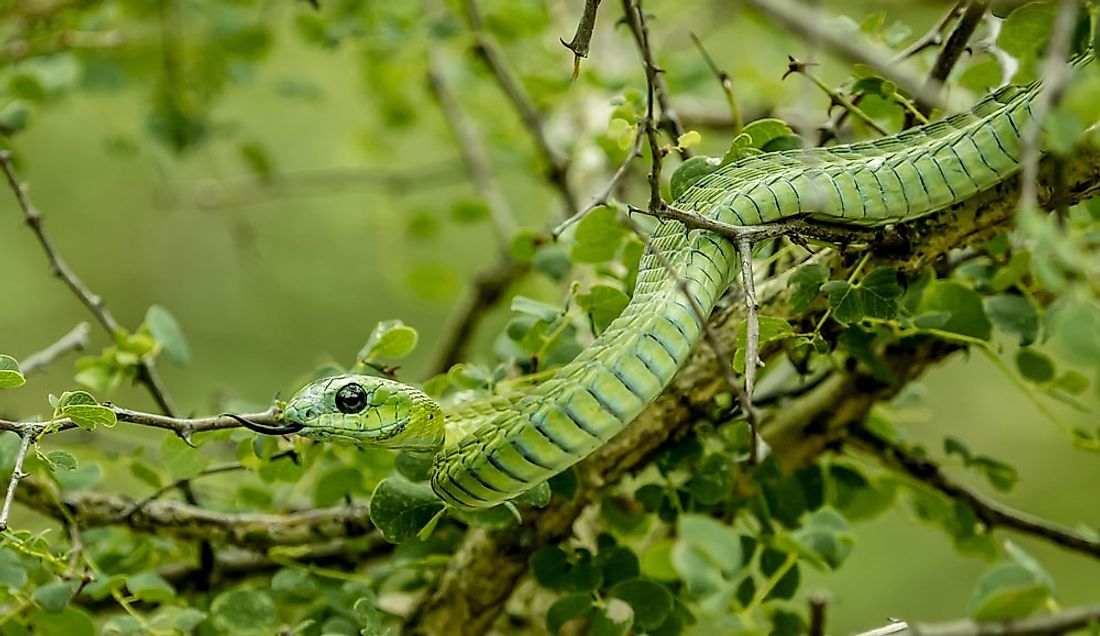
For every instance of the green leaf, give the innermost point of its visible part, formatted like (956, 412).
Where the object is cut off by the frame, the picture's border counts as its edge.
(1006, 591)
(688, 139)
(598, 236)
(1072, 382)
(13, 574)
(762, 131)
(806, 281)
(826, 536)
(469, 210)
(740, 148)
(14, 116)
(391, 339)
(1014, 315)
(879, 292)
(145, 472)
(71, 621)
(531, 307)
(1026, 31)
(164, 327)
(603, 304)
(294, 583)
(1035, 366)
(84, 411)
(689, 172)
(150, 587)
(244, 611)
(61, 459)
(567, 608)
(399, 509)
(652, 602)
(54, 596)
(707, 542)
(179, 460)
(771, 329)
(844, 300)
(615, 618)
(965, 306)
(336, 484)
(550, 567)
(10, 375)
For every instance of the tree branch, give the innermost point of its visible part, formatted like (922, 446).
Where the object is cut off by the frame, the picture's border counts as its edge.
(950, 53)
(469, 595)
(669, 120)
(147, 373)
(582, 38)
(991, 513)
(75, 340)
(1058, 623)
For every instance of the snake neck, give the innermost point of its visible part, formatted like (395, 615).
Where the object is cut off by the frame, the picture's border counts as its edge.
(521, 442)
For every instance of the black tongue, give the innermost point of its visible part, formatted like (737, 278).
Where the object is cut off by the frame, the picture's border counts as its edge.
(264, 429)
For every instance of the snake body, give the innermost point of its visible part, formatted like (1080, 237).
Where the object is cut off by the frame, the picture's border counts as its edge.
(489, 451)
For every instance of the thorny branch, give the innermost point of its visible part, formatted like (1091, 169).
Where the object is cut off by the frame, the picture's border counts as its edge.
(487, 47)
(582, 38)
(950, 53)
(724, 81)
(669, 120)
(991, 513)
(146, 370)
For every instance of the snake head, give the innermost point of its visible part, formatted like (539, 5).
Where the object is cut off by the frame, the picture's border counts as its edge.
(366, 411)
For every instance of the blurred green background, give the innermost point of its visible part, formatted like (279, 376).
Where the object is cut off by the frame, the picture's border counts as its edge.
(268, 279)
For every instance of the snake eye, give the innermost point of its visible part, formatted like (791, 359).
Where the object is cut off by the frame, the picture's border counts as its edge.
(351, 398)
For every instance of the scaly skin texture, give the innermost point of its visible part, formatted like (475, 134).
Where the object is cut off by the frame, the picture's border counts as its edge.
(499, 448)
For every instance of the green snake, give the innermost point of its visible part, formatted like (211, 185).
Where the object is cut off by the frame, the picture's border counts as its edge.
(490, 451)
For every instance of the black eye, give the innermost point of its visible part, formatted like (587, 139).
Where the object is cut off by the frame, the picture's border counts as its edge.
(351, 399)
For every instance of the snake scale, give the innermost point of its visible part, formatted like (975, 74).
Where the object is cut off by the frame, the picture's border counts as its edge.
(490, 451)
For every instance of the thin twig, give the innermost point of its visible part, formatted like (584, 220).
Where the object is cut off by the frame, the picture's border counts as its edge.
(1058, 623)
(582, 38)
(933, 36)
(27, 437)
(853, 50)
(474, 155)
(604, 197)
(992, 513)
(800, 67)
(146, 370)
(950, 53)
(724, 81)
(670, 121)
(487, 47)
(1054, 74)
(184, 427)
(818, 604)
(178, 483)
(75, 340)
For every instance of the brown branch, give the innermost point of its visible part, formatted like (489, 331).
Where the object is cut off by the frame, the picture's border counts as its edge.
(75, 340)
(489, 50)
(857, 51)
(931, 37)
(669, 120)
(26, 439)
(470, 593)
(187, 521)
(724, 81)
(147, 373)
(950, 53)
(582, 38)
(184, 427)
(990, 512)
(473, 152)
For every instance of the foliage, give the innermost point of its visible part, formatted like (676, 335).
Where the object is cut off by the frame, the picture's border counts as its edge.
(697, 540)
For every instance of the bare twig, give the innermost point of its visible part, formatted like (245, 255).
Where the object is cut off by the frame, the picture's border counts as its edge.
(604, 198)
(950, 53)
(992, 513)
(931, 37)
(799, 67)
(474, 155)
(725, 82)
(178, 483)
(1054, 74)
(146, 370)
(486, 46)
(670, 121)
(27, 437)
(818, 604)
(1061, 622)
(582, 38)
(75, 340)
(184, 427)
(861, 52)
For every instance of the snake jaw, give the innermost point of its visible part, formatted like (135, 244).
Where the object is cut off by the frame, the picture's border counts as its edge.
(263, 429)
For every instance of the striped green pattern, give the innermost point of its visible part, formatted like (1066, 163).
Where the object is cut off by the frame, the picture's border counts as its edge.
(499, 448)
